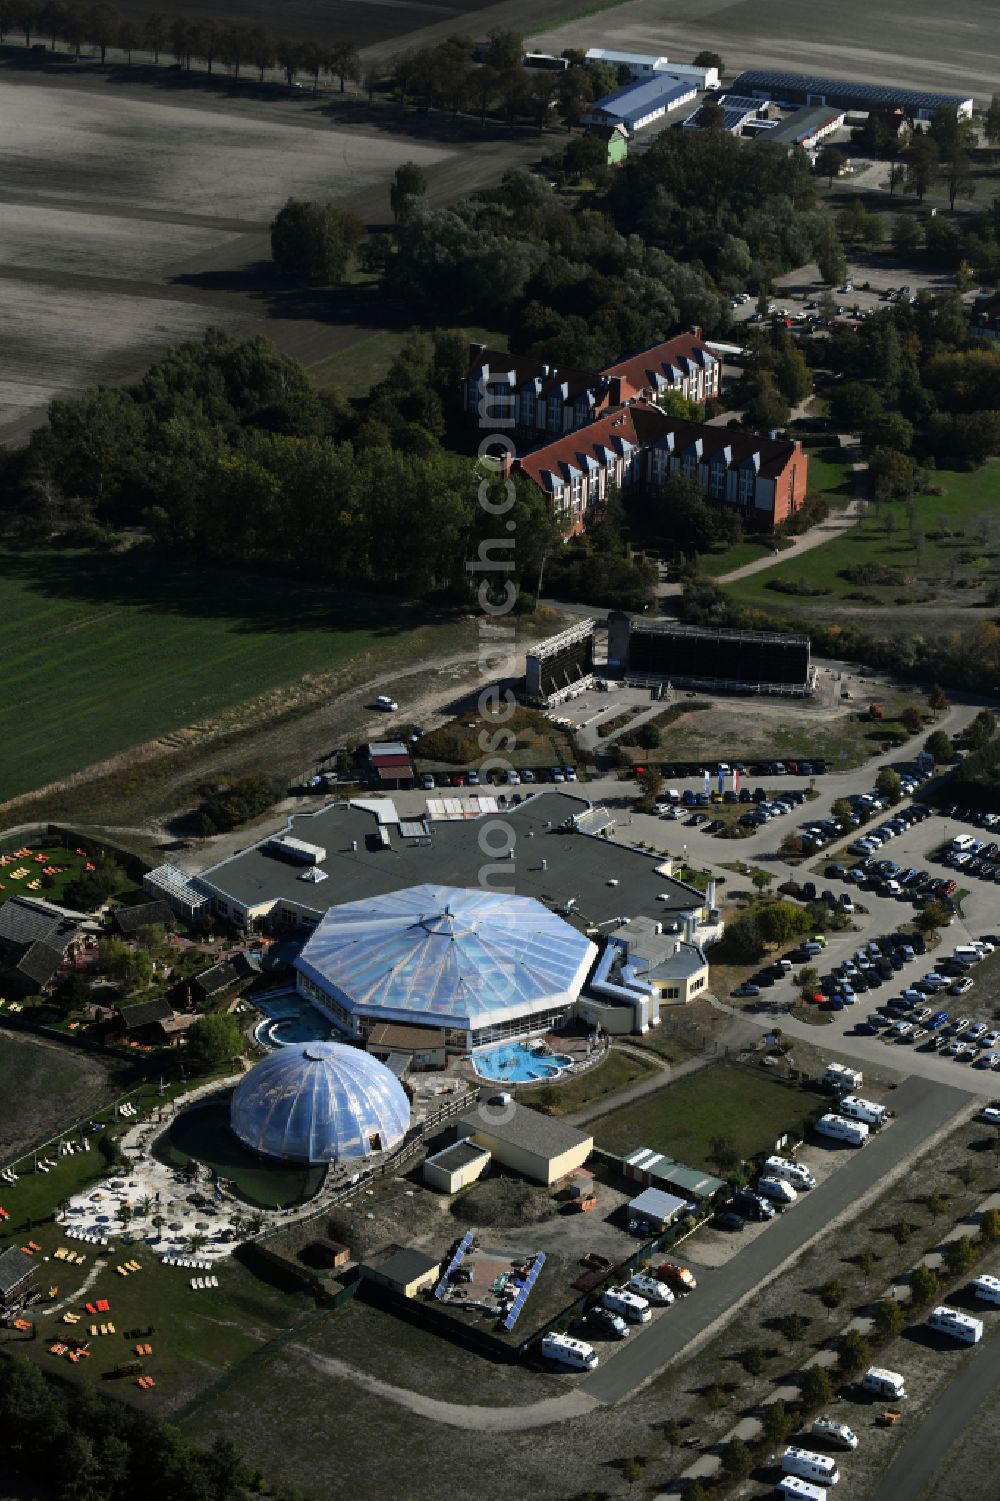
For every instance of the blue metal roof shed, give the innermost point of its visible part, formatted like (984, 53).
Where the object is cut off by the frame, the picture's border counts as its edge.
(804, 88)
(638, 104)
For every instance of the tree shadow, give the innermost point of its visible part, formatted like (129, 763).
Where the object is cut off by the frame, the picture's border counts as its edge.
(257, 604)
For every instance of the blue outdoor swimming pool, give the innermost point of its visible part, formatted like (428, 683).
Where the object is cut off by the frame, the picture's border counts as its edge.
(290, 1018)
(518, 1063)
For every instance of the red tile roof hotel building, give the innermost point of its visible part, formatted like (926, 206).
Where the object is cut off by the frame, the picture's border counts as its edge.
(765, 479)
(509, 391)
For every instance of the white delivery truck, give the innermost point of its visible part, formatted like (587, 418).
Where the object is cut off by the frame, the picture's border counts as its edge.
(634, 1309)
(821, 1469)
(650, 1288)
(835, 1433)
(838, 1128)
(857, 1109)
(776, 1189)
(987, 1288)
(569, 1351)
(957, 1325)
(883, 1383)
(839, 1076)
(794, 1485)
(795, 1173)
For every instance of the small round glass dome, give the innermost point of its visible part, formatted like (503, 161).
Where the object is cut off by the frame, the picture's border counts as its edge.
(319, 1102)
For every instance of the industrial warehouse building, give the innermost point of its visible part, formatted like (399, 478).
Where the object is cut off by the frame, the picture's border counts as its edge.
(792, 89)
(537, 1146)
(709, 657)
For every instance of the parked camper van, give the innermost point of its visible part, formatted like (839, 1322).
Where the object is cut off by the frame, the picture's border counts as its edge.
(957, 1325)
(631, 1307)
(794, 1485)
(835, 1433)
(838, 1128)
(857, 1109)
(569, 1351)
(795, 1173)
(838, 1076)
(882, 1383)
(987, 1288)
(651, 1289)
(821, 1469)
(776, 1189)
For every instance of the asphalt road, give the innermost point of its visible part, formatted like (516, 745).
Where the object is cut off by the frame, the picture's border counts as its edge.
(922, 1109)
(951, 1415)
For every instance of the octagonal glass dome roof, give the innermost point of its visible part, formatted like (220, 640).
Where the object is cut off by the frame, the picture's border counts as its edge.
(447, 954)
(319, 1102)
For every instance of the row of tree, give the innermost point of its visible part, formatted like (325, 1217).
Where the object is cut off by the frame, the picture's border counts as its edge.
(187, 40)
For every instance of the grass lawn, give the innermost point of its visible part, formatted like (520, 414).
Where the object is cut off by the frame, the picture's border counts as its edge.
(46, 1088)
(17, 876)
(970, 500)
(355, 370)
(751, 1109)
(198, 1336)
(615, 1072)
(102, 652)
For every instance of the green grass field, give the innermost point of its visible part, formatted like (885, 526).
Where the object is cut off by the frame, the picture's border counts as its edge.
(103, 652)
(353, 371)
(750, 1109)
(615, 1072)
(970, 502)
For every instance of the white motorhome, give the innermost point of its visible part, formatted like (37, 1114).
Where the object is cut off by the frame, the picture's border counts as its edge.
(794, 1485)
(883, 1383)
(650, 1288)
(777, 1189)
(821, 1469)
(569, 1351)
(857, 1109)
(839, 1076)
(969, 953)
(795, 1173)
(854, 1133)
(987, 1288)
(631, 1307)
(957, 1325)
(835, 1433)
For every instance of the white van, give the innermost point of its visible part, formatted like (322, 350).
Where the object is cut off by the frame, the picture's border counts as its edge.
(835, 1433)
(960, 1326)
(968, 953)
(777, 1189)
(793, 1485)
(631, 1307)
(883, 1383)
(857, 1109)
(987, 1288)
(854, 1133)
(795, 1173)
(821, 1469)
(650, 1288)
(383, 701)
(569, 1351)
(839, 1076)
(963, 841)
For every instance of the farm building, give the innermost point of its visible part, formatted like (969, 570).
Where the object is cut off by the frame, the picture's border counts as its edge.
(405, 1272)
(639, 104)
(791, 89)
(456, 1166)
(737, 113)
(615, 138)
(537, 1146)
(644, 65)
(807, 127)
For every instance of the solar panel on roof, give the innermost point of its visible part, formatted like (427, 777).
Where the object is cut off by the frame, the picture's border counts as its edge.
(875, 94)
